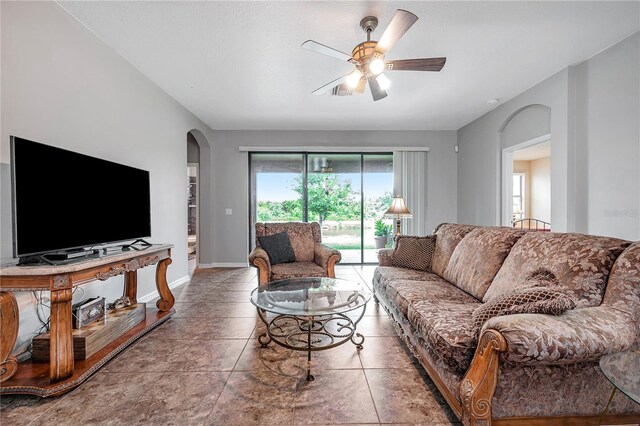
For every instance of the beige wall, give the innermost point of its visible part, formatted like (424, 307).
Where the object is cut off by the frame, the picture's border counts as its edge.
(540, 192)
(537, 191)
(524, 167)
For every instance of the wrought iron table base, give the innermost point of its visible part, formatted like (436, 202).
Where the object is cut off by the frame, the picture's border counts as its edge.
(311, 333)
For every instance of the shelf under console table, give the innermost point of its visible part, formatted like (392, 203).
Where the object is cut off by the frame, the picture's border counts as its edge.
(62, 373)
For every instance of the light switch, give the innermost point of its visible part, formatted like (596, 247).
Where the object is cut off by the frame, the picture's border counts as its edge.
(228, 212)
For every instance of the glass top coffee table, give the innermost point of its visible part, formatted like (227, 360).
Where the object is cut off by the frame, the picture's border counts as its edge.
(623, 371)
(311, 314)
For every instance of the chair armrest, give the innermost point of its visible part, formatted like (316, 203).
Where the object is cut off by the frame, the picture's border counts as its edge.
(259, 258)
(324, 254)
(385, 257)
(576, 336)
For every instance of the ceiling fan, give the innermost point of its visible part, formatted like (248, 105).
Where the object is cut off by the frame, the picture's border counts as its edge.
(369, 58)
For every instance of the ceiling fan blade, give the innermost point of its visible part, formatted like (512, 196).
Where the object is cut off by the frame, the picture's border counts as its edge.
(376, 91)
(342, 90)
(323, 89)
(424, 64)
(329, 51)
(400, 24)
(361, 85)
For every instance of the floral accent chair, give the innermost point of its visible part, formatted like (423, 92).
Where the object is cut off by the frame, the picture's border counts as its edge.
(313, 259)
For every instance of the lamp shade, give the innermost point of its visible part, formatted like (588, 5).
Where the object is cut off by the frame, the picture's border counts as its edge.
(398, 208)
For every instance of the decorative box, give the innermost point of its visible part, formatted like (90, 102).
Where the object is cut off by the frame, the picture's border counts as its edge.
(87, 311)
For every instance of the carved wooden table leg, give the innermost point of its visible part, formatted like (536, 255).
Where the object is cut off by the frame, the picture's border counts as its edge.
(9, 321)
(166, 297)
(61, 345)
(131, 285)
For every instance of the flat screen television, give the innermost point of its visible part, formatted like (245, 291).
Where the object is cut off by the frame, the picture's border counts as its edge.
(63, 200)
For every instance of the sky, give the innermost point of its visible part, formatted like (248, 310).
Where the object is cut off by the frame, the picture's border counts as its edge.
(277, 186)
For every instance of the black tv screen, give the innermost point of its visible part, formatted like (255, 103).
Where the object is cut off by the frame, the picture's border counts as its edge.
(64, 200)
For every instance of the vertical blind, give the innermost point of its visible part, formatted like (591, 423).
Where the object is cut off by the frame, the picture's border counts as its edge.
(410, 182)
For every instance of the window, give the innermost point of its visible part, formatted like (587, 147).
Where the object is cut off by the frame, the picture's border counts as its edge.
(345, 193)
(518, 196)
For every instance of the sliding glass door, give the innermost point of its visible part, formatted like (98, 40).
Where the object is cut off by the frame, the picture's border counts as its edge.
(345, 193)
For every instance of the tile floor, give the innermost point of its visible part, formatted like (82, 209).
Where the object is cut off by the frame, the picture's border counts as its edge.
(204, 366)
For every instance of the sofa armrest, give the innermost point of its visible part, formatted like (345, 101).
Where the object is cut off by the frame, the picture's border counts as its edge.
(576, 336)
(326, 257)
(259, 258)
(385, 257)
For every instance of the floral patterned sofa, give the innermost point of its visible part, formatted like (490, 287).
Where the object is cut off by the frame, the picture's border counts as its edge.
(523, 368)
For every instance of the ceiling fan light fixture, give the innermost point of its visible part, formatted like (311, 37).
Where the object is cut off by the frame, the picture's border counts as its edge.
(376, 66)
(354, 78)
(383, 81)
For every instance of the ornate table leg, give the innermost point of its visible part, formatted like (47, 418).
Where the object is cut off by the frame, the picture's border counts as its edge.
(355, 333)
(264, 339)
(9, 321)
(310, 377)
(61, 344)
(166, 297)
(131, 286)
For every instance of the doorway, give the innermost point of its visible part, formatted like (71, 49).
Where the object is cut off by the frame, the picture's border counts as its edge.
(193, 202)
(527, 185)
(345, 193)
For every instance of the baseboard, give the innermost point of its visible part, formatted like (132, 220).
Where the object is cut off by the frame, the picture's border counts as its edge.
(148, 297)
(224, 265)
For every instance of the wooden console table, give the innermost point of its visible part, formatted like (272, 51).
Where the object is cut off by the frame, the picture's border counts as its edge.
(62, 374)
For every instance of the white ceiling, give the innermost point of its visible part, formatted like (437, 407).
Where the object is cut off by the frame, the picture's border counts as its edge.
(534, 152)
(238, 65)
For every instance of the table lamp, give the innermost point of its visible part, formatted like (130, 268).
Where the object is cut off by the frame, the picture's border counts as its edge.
(398, 210)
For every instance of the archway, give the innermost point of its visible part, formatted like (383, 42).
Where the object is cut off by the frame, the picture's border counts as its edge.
(199, 237)
(525, 142)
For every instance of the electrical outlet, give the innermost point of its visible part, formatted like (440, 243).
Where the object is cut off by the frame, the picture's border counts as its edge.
(228, 212)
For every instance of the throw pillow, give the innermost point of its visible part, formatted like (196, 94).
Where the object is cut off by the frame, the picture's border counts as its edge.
(278, 247)
(414, 252)
(542, 277)
(536, 300)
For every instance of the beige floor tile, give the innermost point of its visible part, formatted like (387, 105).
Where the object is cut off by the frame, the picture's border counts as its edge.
(182, 328)
(236, 286)
(403, 396)
(376, 326)
(221, 296)
(179, 399)
(107, 398)
(150, 354)
(229, 328)
(24, 409)
(215, 309)
(256, 397)
(341, 357)
(275, 358)
(335, 396)
(384, 352)
(210, 355)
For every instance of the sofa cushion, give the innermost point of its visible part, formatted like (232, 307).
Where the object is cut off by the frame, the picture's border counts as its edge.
(385, 274)
(448, 328)
(405, 292)
(623, 287)
(448, 237)
(296, 269)
(478, 257)
(538, 300)
(581, 263)
(278, 248)
(414, 252)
